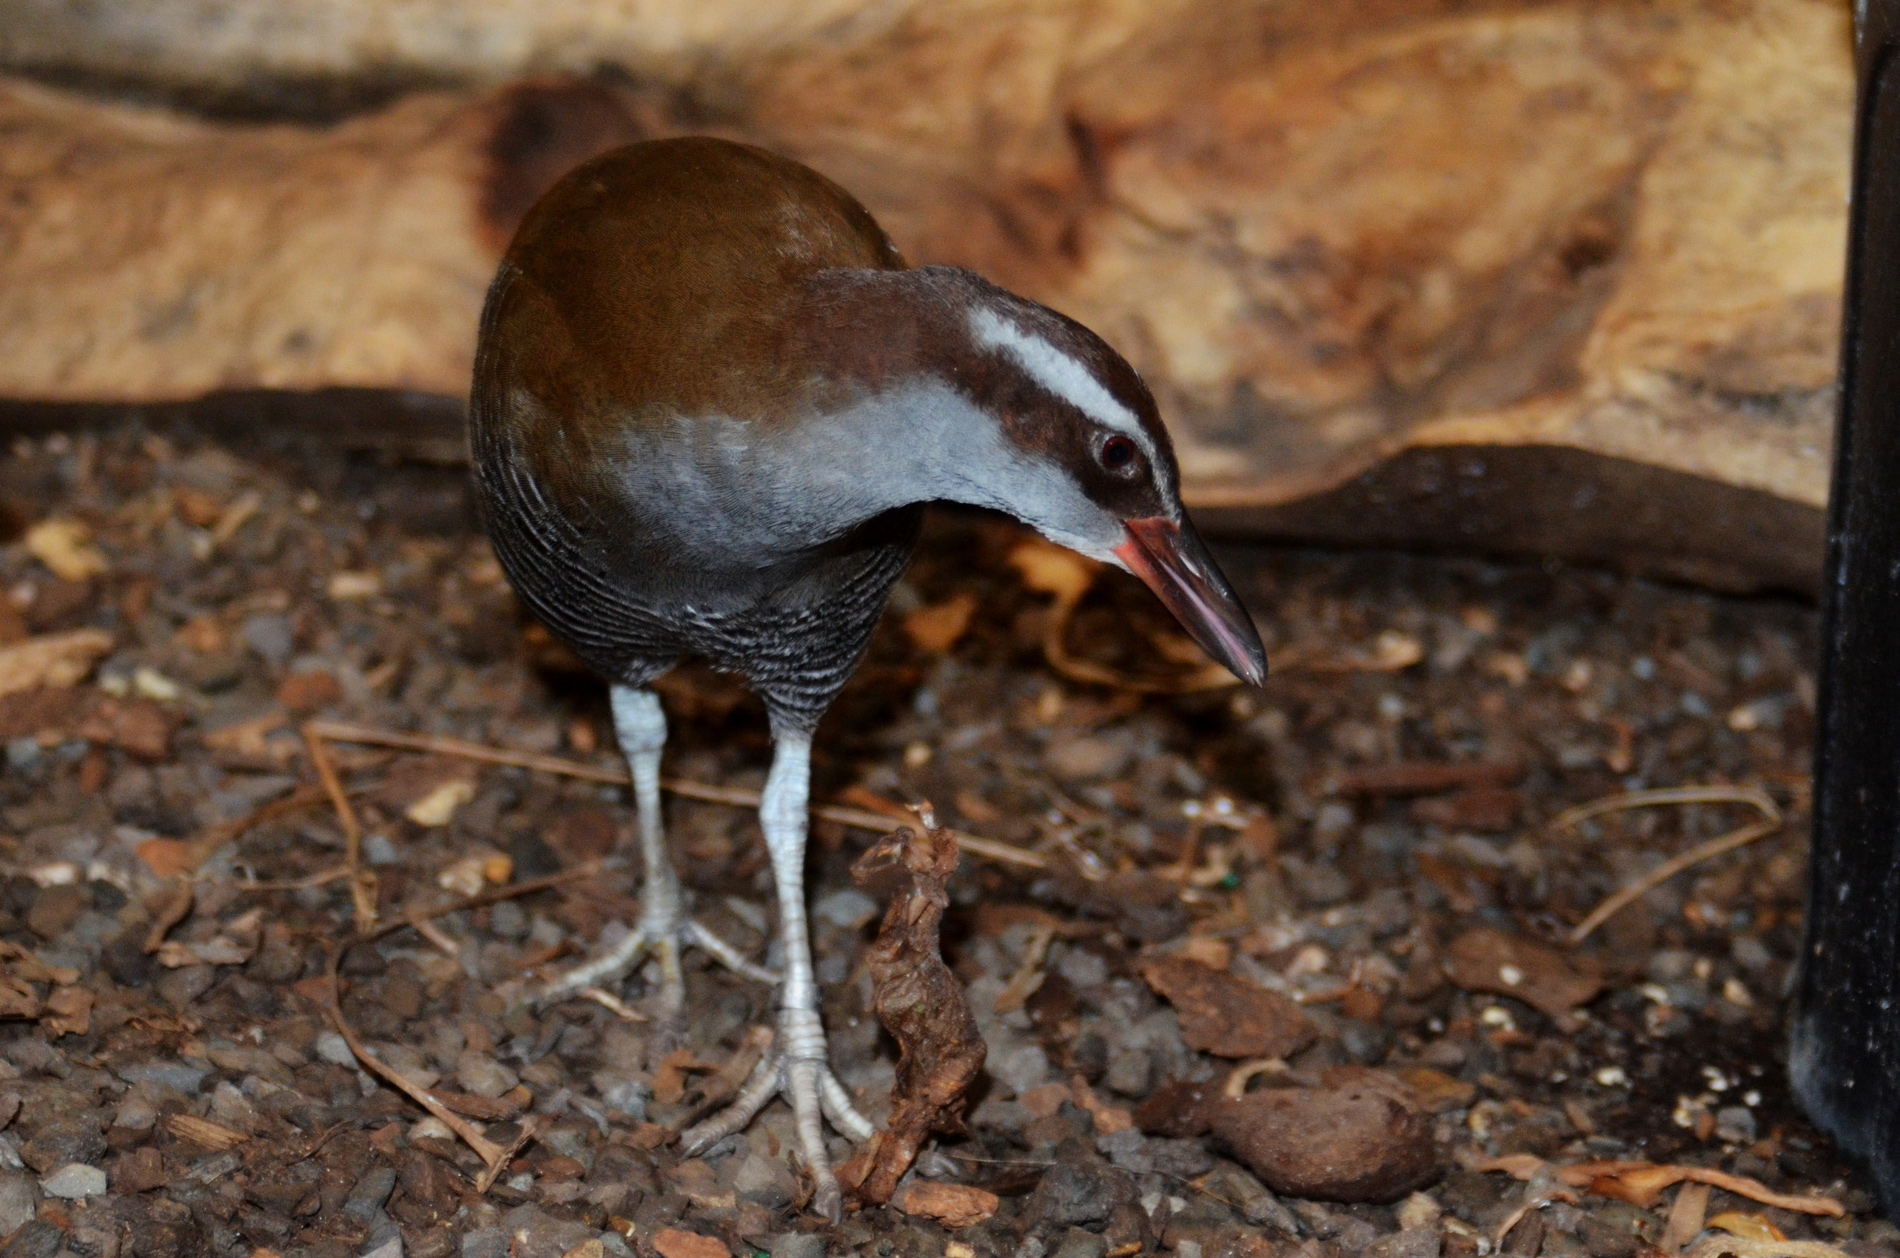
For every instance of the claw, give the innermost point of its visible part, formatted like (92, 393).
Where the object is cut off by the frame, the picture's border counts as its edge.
(814, 1093)
(664, 941)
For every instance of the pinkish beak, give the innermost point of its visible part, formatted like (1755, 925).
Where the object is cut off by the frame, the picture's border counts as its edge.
(1174, 563)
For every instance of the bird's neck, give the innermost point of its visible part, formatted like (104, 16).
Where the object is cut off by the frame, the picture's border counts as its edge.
(771, 491)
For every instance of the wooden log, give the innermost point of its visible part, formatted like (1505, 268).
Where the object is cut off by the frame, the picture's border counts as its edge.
(1555, 277)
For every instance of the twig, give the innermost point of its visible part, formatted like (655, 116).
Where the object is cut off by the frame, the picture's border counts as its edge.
(493, 1154)
(322, 1140)
(436, 935)
(1028, 977)
(734, 796)
(1742, 1247)
(336, 873)
(175, 909)
(412, 918)
(607, 1000)
(1755, 797)
(1240, 1076)
(361, 900)
(200, 849)
(492, 1172)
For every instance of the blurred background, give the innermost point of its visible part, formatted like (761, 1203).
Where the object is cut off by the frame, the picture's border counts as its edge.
(1550, 278)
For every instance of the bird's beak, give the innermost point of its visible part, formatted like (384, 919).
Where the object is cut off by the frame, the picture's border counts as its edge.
(1173, 561)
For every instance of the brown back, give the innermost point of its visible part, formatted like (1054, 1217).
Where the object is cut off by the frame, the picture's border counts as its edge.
(655, 281)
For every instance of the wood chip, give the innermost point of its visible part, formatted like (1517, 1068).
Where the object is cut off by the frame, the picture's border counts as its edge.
(940, 626)
(204, 1133)
(63, 546)
(953, 1205)
(52, 660)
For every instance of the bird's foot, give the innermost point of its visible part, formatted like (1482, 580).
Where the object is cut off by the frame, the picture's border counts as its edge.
(663, 939)
(797, 1068)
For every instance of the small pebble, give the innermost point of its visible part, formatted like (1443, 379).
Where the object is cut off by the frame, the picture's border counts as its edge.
(74, 1181)
(847, 907)
(481, 1075)
(19, 1200)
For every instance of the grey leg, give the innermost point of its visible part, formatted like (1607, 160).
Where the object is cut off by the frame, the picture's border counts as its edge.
(663, 929)
(799, 1067)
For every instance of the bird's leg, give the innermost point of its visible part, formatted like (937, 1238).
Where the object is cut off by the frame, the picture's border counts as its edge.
(798, 1066)
(663, 927)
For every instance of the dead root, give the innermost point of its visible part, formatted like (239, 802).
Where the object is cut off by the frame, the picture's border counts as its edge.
(920, 1003)
(495, 1157)
(1771, 821)
(1049, 569)
(737, 797)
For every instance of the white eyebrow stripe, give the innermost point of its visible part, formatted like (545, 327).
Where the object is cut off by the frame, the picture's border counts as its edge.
(1061, 375)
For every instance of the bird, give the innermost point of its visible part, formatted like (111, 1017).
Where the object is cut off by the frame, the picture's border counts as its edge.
(710, 403)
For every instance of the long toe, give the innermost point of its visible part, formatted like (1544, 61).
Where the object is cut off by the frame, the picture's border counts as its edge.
(815, 1095)
(663, 940)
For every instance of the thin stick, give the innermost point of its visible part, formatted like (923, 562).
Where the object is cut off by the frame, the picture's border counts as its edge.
(413, 918)
(1755, 797)
(734, 796)
(361, 901)
(1240, 1076)
(489, 1152)
(321, 878)
(1209, 676)
(607, 1000)
(200, 849)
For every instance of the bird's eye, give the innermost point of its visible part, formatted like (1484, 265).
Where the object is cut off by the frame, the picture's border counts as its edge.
(1117, 453)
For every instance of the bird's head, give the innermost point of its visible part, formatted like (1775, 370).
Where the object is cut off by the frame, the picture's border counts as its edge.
(1060, 432)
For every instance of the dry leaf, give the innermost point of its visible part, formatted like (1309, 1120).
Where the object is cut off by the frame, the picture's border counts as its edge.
(203, 634)
(68, 1012)
(1642, 1183)
(937, 628)
(196, 507)
(920, 1003)
(1714, 1246)
(166, 856)
(345, 586)
(1108, 1118)
(1229, 1016)
(474, 872)
(437, 808)
(22, 964)
(61, 546)
(1487, 960)
(671, 1242)
(235, 944)
(51, 660)
(953, 1205)
(1686, 1213)
(17, 998)
(1754, 1227)
(1050, 569)
(429, 789)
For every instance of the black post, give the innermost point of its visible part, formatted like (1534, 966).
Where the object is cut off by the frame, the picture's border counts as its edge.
(1846, 1039)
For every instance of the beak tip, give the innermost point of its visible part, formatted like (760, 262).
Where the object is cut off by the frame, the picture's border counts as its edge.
(1251, 666)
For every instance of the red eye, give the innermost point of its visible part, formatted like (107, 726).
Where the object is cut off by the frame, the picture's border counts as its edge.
(1117, 453)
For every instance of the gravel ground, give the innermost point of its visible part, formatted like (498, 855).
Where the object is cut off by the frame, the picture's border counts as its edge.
(1350, 883)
